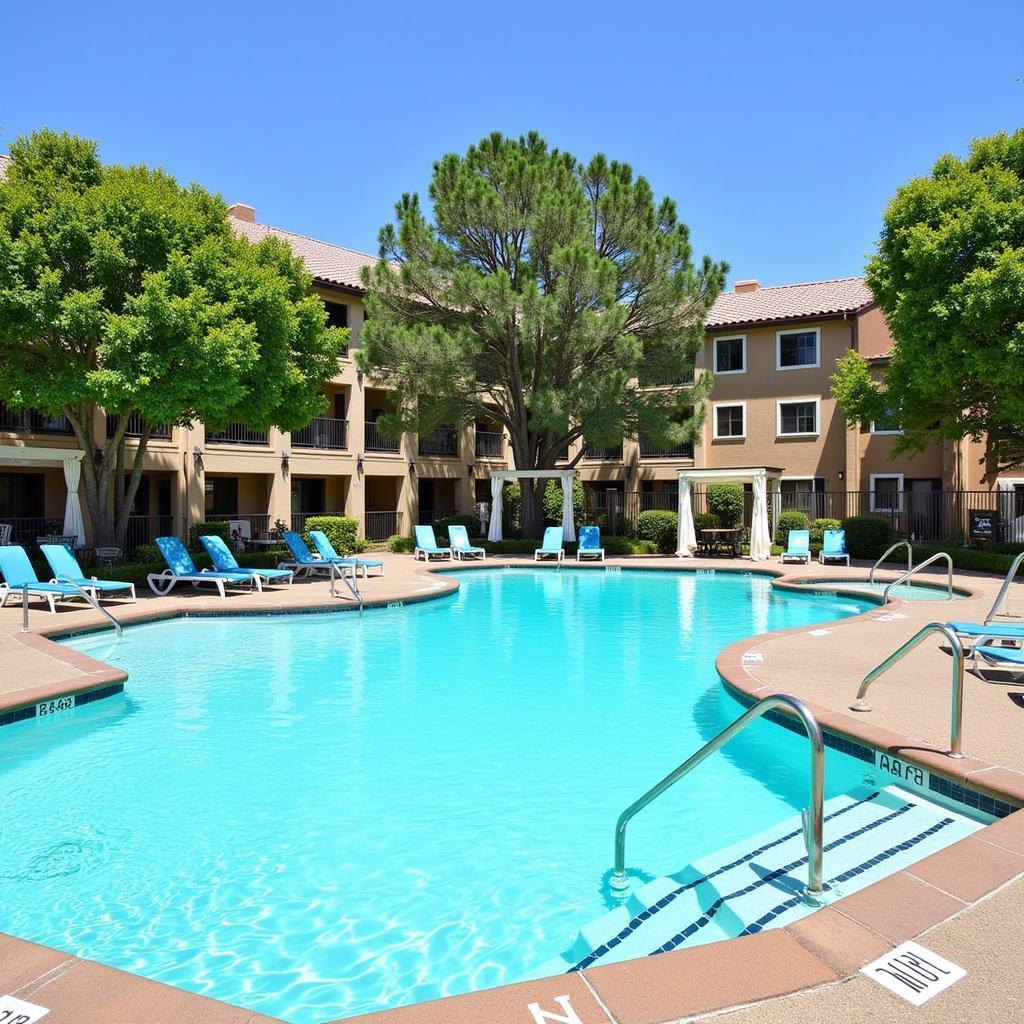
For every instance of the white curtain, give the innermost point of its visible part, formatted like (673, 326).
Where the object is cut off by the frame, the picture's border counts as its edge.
(494, 530)
(760, 538)
(687, 539)
(568, 522)
(73, 524)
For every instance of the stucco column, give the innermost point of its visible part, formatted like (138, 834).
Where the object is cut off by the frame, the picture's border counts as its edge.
(279, 500)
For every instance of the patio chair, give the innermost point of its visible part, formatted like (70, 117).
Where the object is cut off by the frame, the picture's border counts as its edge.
(17, 571)
(224, 561)
(590, 544)
(458, 537)
(798, 548)
(66, 569)
(550, 545)
(986, 655)
(325, 549)
(426, 544)
(833, 547)
(304, 563)
(181, 569)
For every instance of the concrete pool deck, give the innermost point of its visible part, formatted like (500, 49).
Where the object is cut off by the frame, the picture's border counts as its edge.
(966, 902)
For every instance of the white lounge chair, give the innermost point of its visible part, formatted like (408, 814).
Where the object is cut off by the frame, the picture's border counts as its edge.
(426, 545)
(458, 537)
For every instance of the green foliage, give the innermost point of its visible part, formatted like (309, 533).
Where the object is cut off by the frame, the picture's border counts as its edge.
(705, 521)
(949, 276)
(146, 553)
(726, 502)
(791, 519)
(340, 530)
(217, 528)
(401, 545)
(540, 295)
(511, 546)
(967, 559)
(660, 527)
(470, 522)
(818, 528)
(552, 501)
(867, 536)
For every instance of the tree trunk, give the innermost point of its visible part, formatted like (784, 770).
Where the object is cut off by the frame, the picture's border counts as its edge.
(131, 489)
(533, 511)
(98, 465)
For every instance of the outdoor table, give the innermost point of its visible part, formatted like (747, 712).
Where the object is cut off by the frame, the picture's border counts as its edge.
(720, 541)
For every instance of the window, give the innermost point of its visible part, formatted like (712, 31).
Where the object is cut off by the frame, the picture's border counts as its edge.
(730, 420)
(730, 355)
(798, 418)
(888, 424)
(796, 493)
(221, 496)
(887, 492)
(337, 316)
(796, 349)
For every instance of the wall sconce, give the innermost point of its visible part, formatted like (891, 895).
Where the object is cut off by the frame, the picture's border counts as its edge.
(471, 469)
(412, 468)
(285, 458)
(197, 458)
(629, 470)
(359, 463)
(359, 376)
(841, 474)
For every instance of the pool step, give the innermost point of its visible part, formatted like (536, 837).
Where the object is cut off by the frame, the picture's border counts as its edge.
(758, 883)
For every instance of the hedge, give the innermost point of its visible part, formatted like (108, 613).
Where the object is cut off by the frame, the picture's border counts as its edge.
(725, 501)
(791, 519)
(400, 544)
(340, 530)
(819, 526)
(867, 536)
(551, 502)
(217, 528)
(660, 526)
(705, 521)
(470, 522)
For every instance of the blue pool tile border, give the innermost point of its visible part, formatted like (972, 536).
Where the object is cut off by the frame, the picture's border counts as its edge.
(969, 797)
(28, 711)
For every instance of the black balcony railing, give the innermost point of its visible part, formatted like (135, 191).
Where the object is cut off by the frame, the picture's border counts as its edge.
(30, 421)
(489, 445)
(603, 454)
(381, 525)
(668, 381)
(443, 442)
(683, 450)
(134, 429)
(322, 433)
(236, 433)
(375, 441)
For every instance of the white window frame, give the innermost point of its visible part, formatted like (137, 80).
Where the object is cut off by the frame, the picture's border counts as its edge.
(875, 507)
(715, 435)
(714, 354)
(874, 430)
(816, 399)
(816, 331)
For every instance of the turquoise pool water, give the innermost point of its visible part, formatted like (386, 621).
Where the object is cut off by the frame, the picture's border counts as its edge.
(320, 815)
(903, 592)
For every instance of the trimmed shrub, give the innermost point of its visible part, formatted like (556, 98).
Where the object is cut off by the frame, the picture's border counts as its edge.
(726, 502)
(552, 501)
(791, 519)
(867, 536)
(470, 522)
(819, 526)
(340, 530)
(219, 528)
(660, 527)
(705, 521)
(524, 546)
(400, 544)
(147, 553)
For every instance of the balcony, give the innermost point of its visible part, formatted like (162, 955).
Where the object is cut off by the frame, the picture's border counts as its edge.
(489, 445)
(603, 454)
(134, 428)
(29, 421)
(324, 433)
(375, 441)
(683, 450)
(443, 443)
(236, 433)
(687, 377)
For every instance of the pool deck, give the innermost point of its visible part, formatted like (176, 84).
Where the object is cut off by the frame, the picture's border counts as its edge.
(966, 902)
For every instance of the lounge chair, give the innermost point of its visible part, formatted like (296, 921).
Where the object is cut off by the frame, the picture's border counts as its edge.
(1006, 660)
(181, 569)
(551, 545)
(304, 563)
(590, 544)
(17, 571)
(224, 561)
(983, 651)
(798, 548)
(426, 545)
(325, 549)
(833, 547)
(458, 537)
(66, 569)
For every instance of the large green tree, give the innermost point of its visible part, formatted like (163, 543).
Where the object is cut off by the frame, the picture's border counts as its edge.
(949, 276)
(545, 294)
(123, 291)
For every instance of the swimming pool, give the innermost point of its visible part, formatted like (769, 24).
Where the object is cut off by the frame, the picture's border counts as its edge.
(920, 591)
(319, 815)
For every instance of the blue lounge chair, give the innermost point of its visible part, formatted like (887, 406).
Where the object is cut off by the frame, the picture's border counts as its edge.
(551, 545)
(985, 654)
(1008, 660)
(458, 537)
(67, 570)
(325, 549)
(181, 569)
(799, 547)
(304, 563)
(426, 544)
(590, 544)
(833, 547)
(17, 571)
(224, 561)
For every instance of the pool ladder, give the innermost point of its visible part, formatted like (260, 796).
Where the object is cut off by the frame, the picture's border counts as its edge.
(338, 573)
(912, 569)
(813, 816)
(92, 600)
(898, 544)
(1001, 596)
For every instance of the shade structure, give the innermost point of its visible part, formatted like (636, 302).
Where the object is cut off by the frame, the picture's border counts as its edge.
(498, 479)
(494, 527)
(73, 524)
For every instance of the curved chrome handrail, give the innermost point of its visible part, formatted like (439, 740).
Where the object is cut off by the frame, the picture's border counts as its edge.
(92, 600)
(351, 584)
(898, 544)
(917, 568)
(1000, 597)
(813, 816)
(956, 709)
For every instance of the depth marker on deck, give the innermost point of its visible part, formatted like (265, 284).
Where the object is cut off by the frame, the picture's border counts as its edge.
(17, 1011)
(913, 972)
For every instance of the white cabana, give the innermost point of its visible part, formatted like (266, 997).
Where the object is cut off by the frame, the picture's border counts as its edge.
(498, 479)
(757, 477)
(70, 460)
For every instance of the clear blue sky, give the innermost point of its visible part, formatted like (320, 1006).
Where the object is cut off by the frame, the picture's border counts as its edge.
(780, 128)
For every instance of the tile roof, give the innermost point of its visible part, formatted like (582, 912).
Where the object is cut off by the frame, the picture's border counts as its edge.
(790, 302)
(333, 264)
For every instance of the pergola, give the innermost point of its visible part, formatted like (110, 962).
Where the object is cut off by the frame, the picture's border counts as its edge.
(70, 459)
(757, 477)
(498, 479)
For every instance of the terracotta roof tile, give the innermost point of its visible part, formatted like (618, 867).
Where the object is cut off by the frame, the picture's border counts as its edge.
(790, 302)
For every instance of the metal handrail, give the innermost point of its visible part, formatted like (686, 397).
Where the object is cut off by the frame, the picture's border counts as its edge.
(917, 568)
(1001, 596)
(353, 589)
(813, 816)
(956, 709)
(898, 544)
(92, 600)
